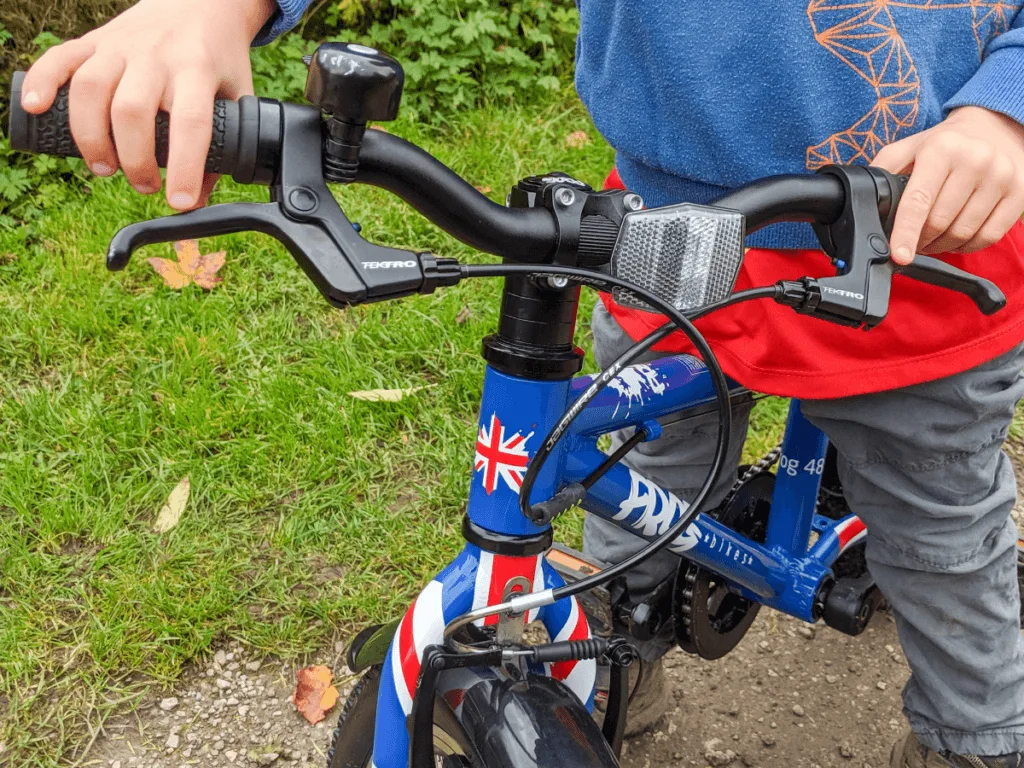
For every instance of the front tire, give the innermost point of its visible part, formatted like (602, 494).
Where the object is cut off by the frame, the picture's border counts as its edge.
(352, 741)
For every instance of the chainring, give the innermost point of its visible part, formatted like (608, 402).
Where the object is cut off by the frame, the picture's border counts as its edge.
(711, 619)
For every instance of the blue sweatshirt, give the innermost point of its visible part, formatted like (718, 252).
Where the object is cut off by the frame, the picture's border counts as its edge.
(700, 96)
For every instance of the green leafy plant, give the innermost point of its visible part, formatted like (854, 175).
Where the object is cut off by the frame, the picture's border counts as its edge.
(461, 53)
(44, 41)
(31, 186)
(277, 69)
(457, 54)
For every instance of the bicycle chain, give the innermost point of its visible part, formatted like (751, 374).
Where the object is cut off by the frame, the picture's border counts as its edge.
(763, 464)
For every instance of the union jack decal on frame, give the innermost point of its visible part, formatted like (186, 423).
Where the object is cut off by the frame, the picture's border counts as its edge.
(500, 457)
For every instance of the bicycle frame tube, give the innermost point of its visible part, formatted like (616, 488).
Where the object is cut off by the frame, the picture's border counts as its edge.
(780, 573)
(796, 483)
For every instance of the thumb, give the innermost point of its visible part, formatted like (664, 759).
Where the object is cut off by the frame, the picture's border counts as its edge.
(899, 156)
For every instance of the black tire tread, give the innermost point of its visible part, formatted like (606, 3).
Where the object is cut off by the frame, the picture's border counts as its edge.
(369, 680)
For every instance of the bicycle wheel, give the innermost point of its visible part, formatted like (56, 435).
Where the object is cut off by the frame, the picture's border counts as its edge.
(352, 741)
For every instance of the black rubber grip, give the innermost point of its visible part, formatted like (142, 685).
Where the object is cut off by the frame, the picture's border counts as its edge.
(571, 650)
(50, 132)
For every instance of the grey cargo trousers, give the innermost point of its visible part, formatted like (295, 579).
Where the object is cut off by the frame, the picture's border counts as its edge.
(923, 467)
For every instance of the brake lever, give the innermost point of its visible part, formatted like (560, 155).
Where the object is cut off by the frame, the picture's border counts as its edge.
(224, 219)
(984, 293)
(310, 245)
(307, 220)
(858, 244)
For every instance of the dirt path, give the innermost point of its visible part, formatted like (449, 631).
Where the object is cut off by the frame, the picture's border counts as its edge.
(789, 695)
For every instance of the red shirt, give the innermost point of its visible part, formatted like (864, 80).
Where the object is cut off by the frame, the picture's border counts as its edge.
(929, 333)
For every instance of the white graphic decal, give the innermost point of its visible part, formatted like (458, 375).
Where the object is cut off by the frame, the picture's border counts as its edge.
(659, 509)
(726, 549)
(693, 364)
(635, 383)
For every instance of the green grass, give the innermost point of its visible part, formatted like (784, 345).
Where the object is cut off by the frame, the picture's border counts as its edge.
(310, 511)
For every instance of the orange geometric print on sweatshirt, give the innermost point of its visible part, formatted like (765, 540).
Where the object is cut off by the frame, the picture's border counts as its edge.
(865, 37)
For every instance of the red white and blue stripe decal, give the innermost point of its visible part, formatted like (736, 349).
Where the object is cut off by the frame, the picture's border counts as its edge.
(850, 531)
(475, 579)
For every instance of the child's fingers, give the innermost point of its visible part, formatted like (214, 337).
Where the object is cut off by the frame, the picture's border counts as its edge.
(929, 174)
(209, 182)
(50, 72)
(899, 155)
(975, 212)
(956, 190)
(92, 90)
(133, 117)
(191, 128)
(1005, 215)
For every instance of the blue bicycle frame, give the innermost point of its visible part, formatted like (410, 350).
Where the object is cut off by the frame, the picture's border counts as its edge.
(784, 572)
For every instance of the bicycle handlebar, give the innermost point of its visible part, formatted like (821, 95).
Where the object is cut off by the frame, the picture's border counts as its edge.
(50, 132)
(246, 138)
(292, 149)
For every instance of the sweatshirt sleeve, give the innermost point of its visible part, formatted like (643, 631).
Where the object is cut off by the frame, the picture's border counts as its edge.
(998, 85)
(288, 14)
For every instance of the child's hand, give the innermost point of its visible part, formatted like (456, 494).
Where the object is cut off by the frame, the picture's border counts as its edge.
(967, 185)
(158, 55)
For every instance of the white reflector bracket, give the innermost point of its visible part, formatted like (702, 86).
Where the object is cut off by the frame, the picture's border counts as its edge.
(688, 255)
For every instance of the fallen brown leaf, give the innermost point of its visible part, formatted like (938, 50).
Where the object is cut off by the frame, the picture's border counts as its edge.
(577, 139)
(170, 513)
(383, 395)
(191, 267)
(314, 695)
(464, 314)
(483, 190)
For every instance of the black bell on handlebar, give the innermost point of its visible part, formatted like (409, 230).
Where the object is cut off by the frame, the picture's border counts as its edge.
(354, 84)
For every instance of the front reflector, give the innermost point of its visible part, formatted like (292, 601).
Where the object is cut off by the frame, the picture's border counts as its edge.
(688, 255)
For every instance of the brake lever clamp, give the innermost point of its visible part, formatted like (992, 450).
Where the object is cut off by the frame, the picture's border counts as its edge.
(858, 244)
(304, 216)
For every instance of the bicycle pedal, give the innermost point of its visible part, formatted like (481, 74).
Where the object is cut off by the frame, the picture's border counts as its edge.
(850, 604)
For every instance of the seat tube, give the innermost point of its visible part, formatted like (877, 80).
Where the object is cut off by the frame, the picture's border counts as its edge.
(796, 484)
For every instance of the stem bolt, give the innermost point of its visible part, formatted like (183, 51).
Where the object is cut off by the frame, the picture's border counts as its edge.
(558, 282)
(633, 201)
(565, 196)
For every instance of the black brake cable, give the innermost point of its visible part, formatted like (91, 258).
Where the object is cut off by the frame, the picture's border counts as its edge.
(684, 324)
(718, 464)
(767, 292)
